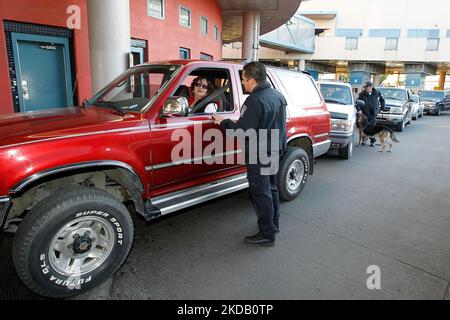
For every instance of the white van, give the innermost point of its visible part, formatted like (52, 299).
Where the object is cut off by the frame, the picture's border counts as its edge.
(341, 104)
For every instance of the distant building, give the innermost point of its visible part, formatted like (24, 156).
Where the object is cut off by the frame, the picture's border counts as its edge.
(369, 40)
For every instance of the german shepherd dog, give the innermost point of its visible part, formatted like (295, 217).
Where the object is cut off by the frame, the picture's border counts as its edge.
(384, 134)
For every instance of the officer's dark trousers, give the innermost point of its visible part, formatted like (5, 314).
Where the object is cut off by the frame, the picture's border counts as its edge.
(265, 199)
(372, 121)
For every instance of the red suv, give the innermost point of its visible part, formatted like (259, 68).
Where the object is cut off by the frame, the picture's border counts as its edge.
(68, 176)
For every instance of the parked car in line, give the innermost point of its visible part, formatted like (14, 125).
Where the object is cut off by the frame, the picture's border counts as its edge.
(68, 175)
(341, 104)
(398, 109)
(435, 101)
(417, 107)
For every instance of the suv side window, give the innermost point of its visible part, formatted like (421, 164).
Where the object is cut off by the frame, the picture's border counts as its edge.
(245, 95)
(220, 94)
(300, 88)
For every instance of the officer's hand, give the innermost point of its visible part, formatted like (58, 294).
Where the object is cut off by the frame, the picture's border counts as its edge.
(217, 118)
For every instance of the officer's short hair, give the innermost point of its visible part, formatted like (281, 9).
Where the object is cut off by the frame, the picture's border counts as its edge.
(256, 70)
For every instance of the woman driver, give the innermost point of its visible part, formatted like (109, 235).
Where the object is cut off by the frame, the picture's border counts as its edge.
(201, 88)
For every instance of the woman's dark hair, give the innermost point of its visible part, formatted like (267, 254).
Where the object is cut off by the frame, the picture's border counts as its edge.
(198, 80)
(257, 71)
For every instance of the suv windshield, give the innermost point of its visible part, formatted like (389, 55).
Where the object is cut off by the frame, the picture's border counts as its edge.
(135, 89)
(432, 95)
(394, 94)
(334, 93)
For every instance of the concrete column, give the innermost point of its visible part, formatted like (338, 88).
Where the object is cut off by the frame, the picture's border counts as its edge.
(441, 83)
(415, 80)
(302, 64)
(250, 36)
(313, 73)
(358, 78)
(109, 39)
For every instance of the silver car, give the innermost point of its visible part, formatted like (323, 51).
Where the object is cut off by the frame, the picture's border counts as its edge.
(398, 107)
(417, 107)
(341, 105)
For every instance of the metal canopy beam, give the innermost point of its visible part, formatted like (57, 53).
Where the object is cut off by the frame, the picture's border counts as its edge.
(424, 68)
(373, 68)
(274, 13)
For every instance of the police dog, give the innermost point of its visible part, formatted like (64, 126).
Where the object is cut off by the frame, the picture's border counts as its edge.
(384, 134)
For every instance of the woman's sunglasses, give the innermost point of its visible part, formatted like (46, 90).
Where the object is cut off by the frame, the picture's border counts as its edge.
(198, 85)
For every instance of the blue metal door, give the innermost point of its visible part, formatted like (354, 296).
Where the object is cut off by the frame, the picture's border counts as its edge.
(138, 58)
(43, 71)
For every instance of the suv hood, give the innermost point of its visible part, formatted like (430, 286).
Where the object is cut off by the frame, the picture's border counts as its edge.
(47, 124)
(335, 108)
(394, 103)
(430, 99)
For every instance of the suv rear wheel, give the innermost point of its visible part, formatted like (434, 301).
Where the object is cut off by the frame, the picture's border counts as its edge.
(293, 173)
(72, 241)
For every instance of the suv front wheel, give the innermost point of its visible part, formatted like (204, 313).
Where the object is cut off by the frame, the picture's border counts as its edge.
(293, 173)
(347, 151)
(72, 241)
(401, 126)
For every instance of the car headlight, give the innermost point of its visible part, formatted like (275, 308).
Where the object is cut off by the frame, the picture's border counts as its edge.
(396, 110)
(341, 125)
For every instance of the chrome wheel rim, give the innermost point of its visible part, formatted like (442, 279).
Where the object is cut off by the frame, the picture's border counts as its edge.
(295, 176)
(81, 246)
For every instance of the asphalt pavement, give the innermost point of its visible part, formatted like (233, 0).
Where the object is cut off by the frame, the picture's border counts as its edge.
(387, 212)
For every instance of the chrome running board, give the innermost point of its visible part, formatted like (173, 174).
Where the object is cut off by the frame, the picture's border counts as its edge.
(175, 201)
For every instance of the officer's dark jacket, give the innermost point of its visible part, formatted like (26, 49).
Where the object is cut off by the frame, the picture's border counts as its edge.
(265, 108)
(372, 102)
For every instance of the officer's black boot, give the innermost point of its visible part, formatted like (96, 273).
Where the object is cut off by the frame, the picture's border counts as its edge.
(260, 240)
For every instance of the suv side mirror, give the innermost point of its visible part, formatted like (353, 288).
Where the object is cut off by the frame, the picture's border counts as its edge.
(175, 107)
(359, 104)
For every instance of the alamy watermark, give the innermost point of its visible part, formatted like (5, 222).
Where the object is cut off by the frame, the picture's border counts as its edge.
(374, 280)
(74, 19)
(191, 148)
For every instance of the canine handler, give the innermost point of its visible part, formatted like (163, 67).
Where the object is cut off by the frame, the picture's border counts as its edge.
(373, 99)
(265, 108)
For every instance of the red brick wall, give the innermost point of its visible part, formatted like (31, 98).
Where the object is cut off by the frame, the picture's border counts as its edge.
(164, 37)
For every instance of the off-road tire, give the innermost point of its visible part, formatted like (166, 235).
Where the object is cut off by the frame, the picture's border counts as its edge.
(31, 246)
(299, 157)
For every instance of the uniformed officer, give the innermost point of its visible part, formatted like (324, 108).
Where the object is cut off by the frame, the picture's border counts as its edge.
(372, 99)
(265, 108)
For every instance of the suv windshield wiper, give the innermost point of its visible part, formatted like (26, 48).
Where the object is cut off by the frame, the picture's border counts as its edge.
(335, 101)
(109, 104)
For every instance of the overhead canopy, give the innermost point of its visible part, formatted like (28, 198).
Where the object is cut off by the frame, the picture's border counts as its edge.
(274, 14)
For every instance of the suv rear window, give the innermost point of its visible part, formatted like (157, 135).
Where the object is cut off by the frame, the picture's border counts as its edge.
(300, 88)
(335, 93)
(433, 94)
